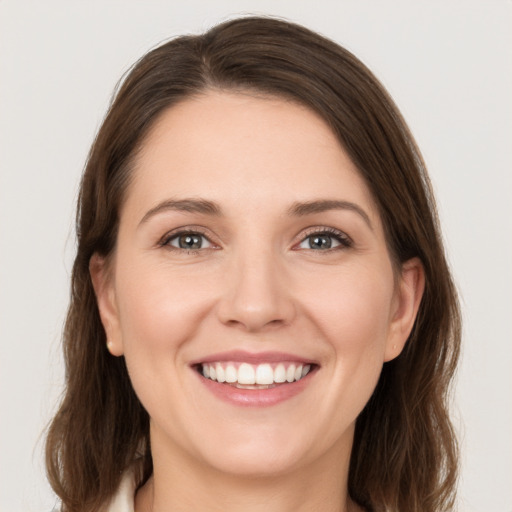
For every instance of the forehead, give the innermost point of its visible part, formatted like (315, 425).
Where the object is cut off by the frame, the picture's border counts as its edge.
(241, 148)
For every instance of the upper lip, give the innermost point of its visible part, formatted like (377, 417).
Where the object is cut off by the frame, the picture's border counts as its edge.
(252, 357)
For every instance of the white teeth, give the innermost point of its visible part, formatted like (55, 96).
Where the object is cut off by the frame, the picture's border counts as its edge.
(249, 375)
(264, 374)
(280, 373)
(246, 374)
(231, 373)
(220, 373)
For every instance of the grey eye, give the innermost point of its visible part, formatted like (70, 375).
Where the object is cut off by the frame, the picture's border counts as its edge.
(320, 241)
(189, 241)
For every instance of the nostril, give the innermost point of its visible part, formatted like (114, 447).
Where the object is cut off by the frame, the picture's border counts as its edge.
(253, 323)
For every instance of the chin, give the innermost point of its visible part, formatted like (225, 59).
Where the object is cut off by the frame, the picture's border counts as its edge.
(256, 464)
(263, 452)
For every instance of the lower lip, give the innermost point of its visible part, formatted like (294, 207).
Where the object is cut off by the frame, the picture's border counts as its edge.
(256, 397)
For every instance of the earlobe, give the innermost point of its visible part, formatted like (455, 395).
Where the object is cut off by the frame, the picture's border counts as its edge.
(105, 297)
(409, 295)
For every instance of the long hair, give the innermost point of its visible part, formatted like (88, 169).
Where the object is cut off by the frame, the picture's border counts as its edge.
(404, 456)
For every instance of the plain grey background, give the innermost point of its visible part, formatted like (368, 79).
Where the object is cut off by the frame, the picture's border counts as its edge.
(448, 65)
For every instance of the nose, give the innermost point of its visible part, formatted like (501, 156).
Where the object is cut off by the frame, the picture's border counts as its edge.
(257, 294)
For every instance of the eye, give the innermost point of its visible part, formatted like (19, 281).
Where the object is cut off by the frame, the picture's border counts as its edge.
(188, 241)
(325, 240)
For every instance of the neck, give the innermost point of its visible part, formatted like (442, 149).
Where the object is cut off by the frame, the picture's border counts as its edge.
(182, 483)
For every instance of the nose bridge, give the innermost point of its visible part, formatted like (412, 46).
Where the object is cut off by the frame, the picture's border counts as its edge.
(256, 292)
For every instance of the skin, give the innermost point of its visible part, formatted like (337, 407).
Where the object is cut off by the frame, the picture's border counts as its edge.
(256, 284)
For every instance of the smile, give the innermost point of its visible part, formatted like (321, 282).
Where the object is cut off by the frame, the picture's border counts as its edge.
(254, 376)
(249, 379)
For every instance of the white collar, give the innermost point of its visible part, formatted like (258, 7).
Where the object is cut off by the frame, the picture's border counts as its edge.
(124, 498)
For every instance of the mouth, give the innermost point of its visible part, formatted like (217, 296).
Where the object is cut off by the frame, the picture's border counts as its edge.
(257, 380)
(242, 375)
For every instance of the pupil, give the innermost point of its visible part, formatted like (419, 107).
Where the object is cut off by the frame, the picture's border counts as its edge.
(190, 242)
(320, 242)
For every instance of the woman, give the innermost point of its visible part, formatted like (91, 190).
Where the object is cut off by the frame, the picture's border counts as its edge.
(262, 316)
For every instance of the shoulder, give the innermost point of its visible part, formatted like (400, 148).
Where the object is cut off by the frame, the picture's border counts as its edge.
(123, 500)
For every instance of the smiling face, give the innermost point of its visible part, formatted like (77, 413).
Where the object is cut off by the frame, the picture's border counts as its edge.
(250, 252)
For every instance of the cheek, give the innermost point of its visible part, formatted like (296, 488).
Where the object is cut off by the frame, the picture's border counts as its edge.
(353, 309)
(160, 309)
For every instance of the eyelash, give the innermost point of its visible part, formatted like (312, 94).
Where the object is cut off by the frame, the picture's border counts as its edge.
(342, 238)
(164, 242)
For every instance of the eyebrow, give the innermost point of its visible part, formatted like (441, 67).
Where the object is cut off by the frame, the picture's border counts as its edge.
(311, 207)
(297, 209)
(184, 205)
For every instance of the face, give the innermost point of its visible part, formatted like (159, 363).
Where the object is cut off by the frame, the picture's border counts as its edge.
(251, 290)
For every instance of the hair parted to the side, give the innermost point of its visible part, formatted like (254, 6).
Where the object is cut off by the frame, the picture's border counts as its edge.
(404, 456)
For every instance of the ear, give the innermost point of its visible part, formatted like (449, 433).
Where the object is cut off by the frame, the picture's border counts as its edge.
(104, 289)
(407, 302)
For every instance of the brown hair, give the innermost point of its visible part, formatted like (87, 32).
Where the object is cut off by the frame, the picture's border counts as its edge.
(404, 456)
